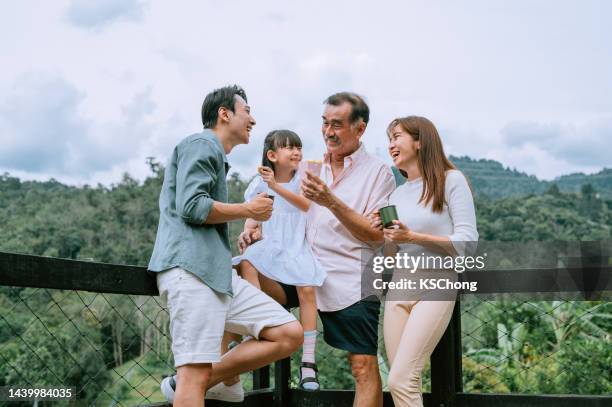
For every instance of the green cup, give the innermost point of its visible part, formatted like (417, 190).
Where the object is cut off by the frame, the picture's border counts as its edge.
(388, 214)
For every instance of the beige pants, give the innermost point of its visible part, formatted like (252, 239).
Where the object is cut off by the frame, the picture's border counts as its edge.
(412, 330)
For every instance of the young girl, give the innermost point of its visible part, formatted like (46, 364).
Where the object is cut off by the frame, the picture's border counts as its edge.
(283, 254)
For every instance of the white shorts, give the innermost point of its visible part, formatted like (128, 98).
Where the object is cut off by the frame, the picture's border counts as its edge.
(199, 315)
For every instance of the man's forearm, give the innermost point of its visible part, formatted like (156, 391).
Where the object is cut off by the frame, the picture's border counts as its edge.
(357, 224)
(224, 212)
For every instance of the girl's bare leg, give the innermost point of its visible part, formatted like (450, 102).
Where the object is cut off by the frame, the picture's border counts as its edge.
(308, 308)
(249, 273)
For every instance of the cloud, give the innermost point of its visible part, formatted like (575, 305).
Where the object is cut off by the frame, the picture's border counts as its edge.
(289, 59)
(276, 17)
(38, 123)
(43, 131)
(579, 144)
(97, 14)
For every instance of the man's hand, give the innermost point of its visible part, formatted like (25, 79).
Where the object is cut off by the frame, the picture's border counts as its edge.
(247, 238)
(260, 208)
(317, 191)
(358, 224)
(267, 174)
(375, 221)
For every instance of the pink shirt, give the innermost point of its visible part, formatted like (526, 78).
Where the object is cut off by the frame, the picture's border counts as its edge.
(364, 185)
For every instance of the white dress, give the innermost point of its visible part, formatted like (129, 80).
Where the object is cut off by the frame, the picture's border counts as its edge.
(283, 253)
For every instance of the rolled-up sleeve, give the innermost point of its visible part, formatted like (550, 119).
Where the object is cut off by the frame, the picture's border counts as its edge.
(197, 173)
(463, 214)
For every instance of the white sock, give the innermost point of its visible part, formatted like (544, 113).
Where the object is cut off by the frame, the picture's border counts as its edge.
(308, 355)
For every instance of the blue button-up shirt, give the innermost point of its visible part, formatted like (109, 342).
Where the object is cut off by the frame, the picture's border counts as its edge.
(194, 178)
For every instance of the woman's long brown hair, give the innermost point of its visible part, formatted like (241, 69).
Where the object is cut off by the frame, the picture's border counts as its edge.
(432, 161)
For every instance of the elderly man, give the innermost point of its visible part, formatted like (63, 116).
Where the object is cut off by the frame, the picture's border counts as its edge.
(353, 184)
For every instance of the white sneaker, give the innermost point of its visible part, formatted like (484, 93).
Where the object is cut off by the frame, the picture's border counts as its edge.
(233, 393)
(168, 386)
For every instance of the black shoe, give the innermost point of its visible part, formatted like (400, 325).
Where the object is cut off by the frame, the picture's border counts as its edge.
(304, 380)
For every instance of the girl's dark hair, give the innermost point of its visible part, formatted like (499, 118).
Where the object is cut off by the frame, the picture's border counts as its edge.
(277, 139)
(432, 161)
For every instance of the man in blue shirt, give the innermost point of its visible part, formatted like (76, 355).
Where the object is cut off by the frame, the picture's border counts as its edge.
(192, 259)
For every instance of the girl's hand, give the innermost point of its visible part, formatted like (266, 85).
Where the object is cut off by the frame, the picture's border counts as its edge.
(248, 237)
(267, 174)
(375, 221)
(399, 233)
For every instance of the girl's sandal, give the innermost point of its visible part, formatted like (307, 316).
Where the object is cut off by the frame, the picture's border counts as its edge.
(304, 380)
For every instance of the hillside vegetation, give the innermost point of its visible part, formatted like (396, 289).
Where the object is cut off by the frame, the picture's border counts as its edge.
(115, 348)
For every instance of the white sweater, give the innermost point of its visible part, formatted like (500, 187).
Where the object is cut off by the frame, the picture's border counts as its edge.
(457, 219)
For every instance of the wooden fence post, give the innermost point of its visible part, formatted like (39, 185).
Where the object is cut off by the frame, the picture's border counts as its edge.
(261, 378)
(446, 378)
(282, 375)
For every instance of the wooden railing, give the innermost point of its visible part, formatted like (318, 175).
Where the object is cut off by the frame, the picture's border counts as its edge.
(22, 270)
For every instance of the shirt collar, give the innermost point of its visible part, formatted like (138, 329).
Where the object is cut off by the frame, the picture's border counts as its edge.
(216, 140)
(350, 159)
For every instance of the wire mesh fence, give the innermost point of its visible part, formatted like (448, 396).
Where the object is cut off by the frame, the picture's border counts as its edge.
(115, 349)
(536, 347)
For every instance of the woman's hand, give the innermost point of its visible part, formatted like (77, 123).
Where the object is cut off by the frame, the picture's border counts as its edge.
(399, 233)
(375, 220)
(267, 174)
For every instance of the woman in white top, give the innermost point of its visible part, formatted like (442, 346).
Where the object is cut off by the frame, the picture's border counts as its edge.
(436, 218)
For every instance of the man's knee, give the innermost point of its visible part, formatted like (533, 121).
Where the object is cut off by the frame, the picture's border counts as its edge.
(289, 336)
(294, 335)
(364, 367)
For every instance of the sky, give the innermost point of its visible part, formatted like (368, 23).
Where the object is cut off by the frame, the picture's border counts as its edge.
(89, 89)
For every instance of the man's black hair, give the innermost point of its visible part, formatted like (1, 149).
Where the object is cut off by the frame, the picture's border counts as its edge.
(222, 97)
(359, 109)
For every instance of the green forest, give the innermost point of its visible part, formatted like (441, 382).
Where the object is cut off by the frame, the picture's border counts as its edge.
(491, 179)
(115, 348)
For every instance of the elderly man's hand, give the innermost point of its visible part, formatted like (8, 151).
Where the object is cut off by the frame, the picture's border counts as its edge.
(375, 221)
(317, 191)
